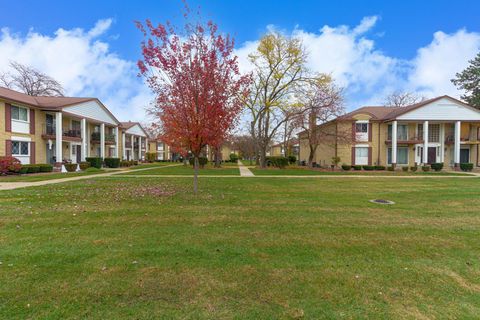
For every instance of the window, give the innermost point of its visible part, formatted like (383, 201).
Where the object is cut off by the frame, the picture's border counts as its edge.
(361, 127)
(420, 131)
(361, 155)
(19, 113)
(402, 132)
(361, 131)
(402, 155)
(20, 148)
(434, 133)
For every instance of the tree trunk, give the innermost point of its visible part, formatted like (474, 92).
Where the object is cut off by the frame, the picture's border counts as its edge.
(195, 174)
(217, 157)
(263, 158)
(310, 157)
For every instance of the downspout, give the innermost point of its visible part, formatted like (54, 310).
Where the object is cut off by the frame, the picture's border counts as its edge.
(336, 139)
(378, 147)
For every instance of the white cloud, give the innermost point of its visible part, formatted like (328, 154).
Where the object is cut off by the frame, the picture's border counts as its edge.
(83, 64)
(368, 74)
(437, 63)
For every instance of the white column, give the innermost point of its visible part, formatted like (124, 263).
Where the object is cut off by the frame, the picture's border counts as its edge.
(123, 147)
(139, 148)
(102, 140)
(83, 129)
(442, 142)
(117, 145)
(87, 154)
(58, 137)
(456, 150)
(394, 143)
(425, 142)
(132, 148)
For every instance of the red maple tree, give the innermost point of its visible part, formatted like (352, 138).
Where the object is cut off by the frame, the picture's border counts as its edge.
(195, 77)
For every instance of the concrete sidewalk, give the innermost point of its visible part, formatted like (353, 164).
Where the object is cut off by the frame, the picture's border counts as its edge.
(24, 184)
(244, 171)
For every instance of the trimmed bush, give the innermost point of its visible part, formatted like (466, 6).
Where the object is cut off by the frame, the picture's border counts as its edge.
(346, 167)
(368, 168)
(467, 167)
(292, 159)
(357, 167)
(84, 165)
(404, 169)
(112, 162)
(32, 168)
(125, 163)
(425, 168)
(149, 156)
(233, 157)
(44, 167)
(413, 169)
(437, 166)
(9, 165)
(70, 167)
(278, 162)
(379, 167)
(390, 168)
(95, 162)
(202, 161)
(23, 170)
(134, 162)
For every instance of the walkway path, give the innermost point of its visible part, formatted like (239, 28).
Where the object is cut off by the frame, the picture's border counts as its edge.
(16, 185)
(244, 171)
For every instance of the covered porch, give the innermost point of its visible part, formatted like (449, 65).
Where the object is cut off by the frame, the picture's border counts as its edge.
(71, 139)
(425, 142)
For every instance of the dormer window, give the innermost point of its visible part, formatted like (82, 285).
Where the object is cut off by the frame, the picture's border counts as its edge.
(361, 131)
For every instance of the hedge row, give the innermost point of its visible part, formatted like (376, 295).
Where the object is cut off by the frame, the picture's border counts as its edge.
(35, 168)
(278, 162)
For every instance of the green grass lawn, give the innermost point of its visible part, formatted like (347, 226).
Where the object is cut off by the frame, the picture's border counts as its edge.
(300, 171)
(153, 165)
(188, 170)
(46, 176)
(242, 249)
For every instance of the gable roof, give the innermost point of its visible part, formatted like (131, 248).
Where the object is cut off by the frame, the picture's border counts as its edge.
(40, 101)
(384, 113)
(49, 103)
(130, 124)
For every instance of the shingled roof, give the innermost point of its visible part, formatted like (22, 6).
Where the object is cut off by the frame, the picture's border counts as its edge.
(50, 103)
(384, 113)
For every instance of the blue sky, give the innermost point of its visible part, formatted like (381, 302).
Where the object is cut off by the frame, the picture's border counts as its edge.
(371, 47)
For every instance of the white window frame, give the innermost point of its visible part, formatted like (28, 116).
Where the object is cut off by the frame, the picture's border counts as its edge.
(19, 120)
(356, 155)
(390, 129)
(20, 148)
(430, 132)
(362, 136)
(398, 163)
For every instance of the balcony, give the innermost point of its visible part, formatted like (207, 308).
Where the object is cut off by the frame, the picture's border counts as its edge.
(450, 139)
(109, 138)
(49, 132)
(406, 140)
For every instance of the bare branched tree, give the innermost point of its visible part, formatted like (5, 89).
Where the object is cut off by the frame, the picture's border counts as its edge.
(402, 99)
(322, 102)
(30, 81)
(246, 146)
